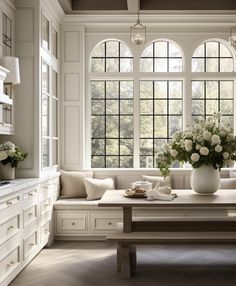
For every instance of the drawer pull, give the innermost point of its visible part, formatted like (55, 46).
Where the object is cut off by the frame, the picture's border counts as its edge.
(31, 244)
(30, 195)
(10, 227)
(46, 187)
(11, 263)
(30, 214)
(46, 230)
(73, 223)
(109, 223)
(9, 203)
(46, 205)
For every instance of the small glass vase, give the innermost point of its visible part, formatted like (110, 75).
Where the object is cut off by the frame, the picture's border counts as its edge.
(7, 172)
(205, 180)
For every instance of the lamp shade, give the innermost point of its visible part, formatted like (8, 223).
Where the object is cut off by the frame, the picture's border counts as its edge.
(12, 64)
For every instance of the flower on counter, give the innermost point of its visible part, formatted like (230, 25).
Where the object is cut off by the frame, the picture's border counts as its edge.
(206, 143)
(12, 154)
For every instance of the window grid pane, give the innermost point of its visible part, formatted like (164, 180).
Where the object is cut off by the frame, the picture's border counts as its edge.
(160, 117)
(112, 56)
(209, 96)
(112, 124)
(212, 57)
(161, 56)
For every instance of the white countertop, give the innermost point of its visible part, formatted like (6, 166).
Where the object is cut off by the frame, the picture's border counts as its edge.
(19, 184)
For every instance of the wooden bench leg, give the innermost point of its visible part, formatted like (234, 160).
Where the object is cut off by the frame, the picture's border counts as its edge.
(125, 261)
(133, 258)
(118, 257)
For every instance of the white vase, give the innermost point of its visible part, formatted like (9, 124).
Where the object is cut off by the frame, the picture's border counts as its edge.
(205, 180)
(7, 172)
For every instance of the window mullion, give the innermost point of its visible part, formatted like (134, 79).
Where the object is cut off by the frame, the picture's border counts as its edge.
(136, 118)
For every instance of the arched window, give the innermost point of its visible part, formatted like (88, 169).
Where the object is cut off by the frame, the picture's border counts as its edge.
(212, 56)
(112, 106)
(112, 56)
(215, 94)
(161, 100)
(161, 56)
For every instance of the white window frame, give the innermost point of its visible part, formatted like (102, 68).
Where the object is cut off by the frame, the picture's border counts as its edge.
(187, 76)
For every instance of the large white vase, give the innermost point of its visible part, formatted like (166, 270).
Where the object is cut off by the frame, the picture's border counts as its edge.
(205, 180)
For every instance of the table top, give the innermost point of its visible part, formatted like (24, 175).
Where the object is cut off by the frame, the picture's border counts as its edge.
(186, 198)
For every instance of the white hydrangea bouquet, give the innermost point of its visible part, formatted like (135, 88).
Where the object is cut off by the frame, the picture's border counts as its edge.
(205, 143)
(12, 154)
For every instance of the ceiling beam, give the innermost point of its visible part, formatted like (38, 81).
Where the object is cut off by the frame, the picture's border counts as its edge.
(133, 5)
(66, 5)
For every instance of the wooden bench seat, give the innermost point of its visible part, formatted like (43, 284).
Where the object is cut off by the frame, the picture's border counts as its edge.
(126, 243)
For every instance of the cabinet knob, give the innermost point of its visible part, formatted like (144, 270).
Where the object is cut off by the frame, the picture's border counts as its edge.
(73, 223)
(10, 227)
(109, 223)
(10, 263)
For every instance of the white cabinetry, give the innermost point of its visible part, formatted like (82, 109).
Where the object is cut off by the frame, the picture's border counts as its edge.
(25, 224)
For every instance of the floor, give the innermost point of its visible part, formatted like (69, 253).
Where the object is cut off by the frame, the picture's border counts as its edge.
(94, 264)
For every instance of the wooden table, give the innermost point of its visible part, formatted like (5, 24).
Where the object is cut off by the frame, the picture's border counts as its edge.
(155, 231)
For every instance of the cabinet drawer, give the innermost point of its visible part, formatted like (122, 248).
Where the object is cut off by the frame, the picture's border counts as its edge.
(44, 231)
(45, 206)
(9, 228)
(45, 192)
(102, 222)
(9, 263)
(73, 222)
(29, 194)
(30, 215)
(29, 244)
(8, 203)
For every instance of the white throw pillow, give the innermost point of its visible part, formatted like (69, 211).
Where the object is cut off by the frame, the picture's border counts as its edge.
(72, 183)
(158, 181)
(228, 183)
(95, 188)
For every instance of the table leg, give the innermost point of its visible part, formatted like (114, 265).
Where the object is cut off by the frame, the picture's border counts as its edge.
(127, 219)
(125, 263)
(132, 254)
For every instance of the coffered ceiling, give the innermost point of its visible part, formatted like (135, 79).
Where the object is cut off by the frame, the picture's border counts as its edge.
(146, 6)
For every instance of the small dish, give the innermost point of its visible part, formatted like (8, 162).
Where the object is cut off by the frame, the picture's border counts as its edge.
(131, 194)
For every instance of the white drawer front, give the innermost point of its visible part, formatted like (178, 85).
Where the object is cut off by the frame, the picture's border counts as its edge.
(102, 222)
(73, 222)
(45, 192)
(9, 228)
(8, 203)
(45, 206)
(32, 193)
(30, 215)
(44, 231)
(29, 244)
(9, 263)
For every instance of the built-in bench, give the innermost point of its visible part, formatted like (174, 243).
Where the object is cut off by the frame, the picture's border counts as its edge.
(80, 219)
